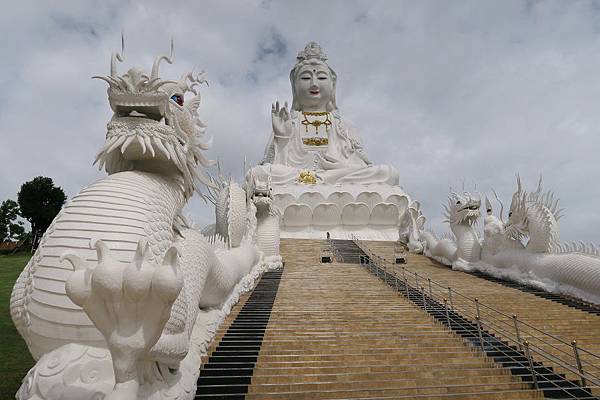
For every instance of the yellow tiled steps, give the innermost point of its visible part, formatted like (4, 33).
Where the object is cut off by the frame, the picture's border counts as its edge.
(337, 332)
(552, 317)
(461, 392)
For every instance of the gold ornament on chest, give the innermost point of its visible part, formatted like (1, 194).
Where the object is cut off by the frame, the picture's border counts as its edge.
(316, 120)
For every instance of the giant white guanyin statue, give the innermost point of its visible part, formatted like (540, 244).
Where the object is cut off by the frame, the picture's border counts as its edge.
(320, 175)
(313, 136)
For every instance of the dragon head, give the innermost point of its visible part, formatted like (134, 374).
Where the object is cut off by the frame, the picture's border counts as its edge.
(259, 189)
(516, 227)
(154, 127)
(462, 208)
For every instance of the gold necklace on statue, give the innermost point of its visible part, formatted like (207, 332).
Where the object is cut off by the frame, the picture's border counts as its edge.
(316, 122)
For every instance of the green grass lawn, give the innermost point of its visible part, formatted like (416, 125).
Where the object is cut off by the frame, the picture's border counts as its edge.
(15, 359)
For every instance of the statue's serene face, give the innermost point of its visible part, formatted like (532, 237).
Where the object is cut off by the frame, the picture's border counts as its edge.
(314, 87)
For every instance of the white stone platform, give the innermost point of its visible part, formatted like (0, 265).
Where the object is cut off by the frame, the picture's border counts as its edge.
(372, 211)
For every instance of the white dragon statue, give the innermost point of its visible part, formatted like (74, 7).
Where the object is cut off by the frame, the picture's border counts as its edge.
(525, 248)
(147, 293)
(462, 213)
(410, 227)
(268, 217)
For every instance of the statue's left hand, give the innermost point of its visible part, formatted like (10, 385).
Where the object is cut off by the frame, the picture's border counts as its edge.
(357, 149)
(328, 162)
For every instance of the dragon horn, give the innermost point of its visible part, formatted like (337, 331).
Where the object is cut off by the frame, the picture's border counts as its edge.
(488, 205)
(113, 63)
(117, 57)
(501, 205)
(244, 171)
(452, 195)
(156, 65)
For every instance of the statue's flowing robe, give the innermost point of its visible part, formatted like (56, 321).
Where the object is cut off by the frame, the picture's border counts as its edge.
(343, 160)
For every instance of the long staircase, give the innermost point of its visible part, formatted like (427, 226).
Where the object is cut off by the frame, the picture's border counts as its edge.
(334, 331)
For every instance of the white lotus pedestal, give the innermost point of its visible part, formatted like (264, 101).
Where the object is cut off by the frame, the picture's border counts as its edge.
(309, 211)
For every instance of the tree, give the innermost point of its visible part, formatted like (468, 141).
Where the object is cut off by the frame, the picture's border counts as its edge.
(10, 228)
(40, 201)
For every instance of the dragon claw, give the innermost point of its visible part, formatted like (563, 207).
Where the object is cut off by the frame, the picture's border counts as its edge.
(78, 286)
(128, 303)
(167, 280)
(137, 276)
(76, 262)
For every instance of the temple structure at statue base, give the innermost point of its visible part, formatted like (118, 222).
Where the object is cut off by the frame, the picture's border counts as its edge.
(369, 211)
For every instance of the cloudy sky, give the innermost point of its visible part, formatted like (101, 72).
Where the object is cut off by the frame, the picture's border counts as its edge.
(447, 92)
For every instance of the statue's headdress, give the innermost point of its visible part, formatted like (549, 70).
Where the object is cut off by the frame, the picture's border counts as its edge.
(312, 50)
(312, 54)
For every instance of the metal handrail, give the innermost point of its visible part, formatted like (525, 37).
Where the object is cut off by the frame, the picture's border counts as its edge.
(336, 254)
(507, 317)
(532, 367)
(372, 255)
(493, 323)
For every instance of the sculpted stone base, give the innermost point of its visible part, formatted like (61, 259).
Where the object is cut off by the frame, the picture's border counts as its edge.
(371, 211)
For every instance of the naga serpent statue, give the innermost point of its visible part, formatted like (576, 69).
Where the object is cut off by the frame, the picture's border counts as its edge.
(525, 248)
(122, 298)
(462, 212)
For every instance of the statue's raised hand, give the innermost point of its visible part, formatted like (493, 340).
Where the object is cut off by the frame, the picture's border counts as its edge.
(280, 118)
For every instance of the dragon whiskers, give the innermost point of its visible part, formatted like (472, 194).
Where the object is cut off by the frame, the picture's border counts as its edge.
(153, 141)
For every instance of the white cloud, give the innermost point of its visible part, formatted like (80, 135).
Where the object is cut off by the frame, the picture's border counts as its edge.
(471, 90)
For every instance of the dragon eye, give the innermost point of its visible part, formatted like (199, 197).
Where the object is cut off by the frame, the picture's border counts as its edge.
(510, 214)
(177, 98)
(458, 202)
